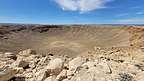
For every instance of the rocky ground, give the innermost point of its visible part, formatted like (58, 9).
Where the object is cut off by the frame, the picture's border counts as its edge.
(98, 64)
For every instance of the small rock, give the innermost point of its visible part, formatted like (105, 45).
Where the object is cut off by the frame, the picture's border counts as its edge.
(140, 66)
(89, 64)
(19, 70)
(20, 63)
(27, 52)
(10, 55)
(51, 78)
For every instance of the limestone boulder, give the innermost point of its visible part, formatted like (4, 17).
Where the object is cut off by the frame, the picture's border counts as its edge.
(10, 55)
(20, 62)
(55, 66)
(27, 52)
(74, 65)
(41, 75)
(62, 75)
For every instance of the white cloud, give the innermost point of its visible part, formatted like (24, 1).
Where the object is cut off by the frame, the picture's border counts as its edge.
(121, 15)
(6, 17)
(131, 21)
(130, 14)
(82, 5)
(140, 13)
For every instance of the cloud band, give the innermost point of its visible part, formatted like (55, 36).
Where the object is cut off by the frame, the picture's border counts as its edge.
(82, 5)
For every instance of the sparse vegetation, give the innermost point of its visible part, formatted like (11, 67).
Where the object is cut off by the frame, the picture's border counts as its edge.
(125, 77)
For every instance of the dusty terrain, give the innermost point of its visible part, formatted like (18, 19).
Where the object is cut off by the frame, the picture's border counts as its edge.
(71, 53)
(67, 39)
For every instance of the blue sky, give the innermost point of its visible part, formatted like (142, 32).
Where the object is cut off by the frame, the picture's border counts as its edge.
(72, 11)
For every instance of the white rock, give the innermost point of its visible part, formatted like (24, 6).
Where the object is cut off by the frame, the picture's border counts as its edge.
(74, 65)
(93, 74)
(55, 66)
(7, 74)
(10, 55)
(62, 75)
(19, 70)
(27, 52)
(51, 78)
(20, 62)
(105, 67)
(41, 75)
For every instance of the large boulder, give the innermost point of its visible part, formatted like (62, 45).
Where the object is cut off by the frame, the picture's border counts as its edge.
(93, 74)
(7, 74)
(20, 62)
(41, 75)
(62, 75)
(55, 66)
(74, 64)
